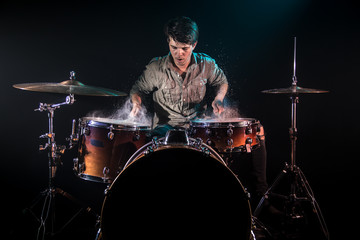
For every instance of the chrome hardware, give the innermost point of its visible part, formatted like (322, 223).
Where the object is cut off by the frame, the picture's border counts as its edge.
(230, 132)
(248, 130)
(74, 137)
(136, 136)
(86, 131)
(230, 142)
(106, 171)
(248, 143)
(76, 164)
(208, 131)
(197, 143)
(111, 134)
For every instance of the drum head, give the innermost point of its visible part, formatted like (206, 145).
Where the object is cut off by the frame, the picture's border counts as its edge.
(176, 192)
(117, 124)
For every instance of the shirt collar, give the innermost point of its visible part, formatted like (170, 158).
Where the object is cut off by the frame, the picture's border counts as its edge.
(170, 62)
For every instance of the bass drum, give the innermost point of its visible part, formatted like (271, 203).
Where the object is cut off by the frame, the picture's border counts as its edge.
(169, 191)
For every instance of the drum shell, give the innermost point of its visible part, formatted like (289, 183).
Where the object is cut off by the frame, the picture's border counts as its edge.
(176, 191)
(105, 148)
(227, 136)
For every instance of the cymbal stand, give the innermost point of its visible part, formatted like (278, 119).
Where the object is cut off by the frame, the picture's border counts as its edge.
(300, 189)
(54, 153)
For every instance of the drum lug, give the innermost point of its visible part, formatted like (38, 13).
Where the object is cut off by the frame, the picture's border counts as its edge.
(76, 164)
(110, 135)
(208, 131)
(106, 172)
(230, 132)
(86, 131)
(205, 151)
(197, 143)
(248, 130)
(155, 142)
(247, 194)
(248, 143)
(154, 145)
(78, 167)
(149, 150)
(230, 142)
(107, 190)
(136, 136)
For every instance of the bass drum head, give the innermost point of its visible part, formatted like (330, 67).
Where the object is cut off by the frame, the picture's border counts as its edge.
(176, 192)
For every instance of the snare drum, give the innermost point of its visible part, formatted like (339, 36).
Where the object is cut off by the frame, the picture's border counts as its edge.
(229, 135)
(105, 145)
(176, 190)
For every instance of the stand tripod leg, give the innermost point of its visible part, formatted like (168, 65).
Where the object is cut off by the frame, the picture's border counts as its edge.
(46, 210)
(47, 217)
(266, 194)
(300, 192)
(315, 205)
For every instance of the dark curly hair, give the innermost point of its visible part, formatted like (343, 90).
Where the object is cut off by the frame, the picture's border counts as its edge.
(182, 29)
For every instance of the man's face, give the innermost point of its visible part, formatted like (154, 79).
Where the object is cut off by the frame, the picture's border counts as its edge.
(181, 53)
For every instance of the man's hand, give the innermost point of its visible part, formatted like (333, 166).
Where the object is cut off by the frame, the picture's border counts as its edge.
(218, 106)
(218, 103)
(135, 110)
(136, 105)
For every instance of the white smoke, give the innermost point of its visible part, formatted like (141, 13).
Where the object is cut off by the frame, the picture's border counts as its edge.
(229, 112)
(123, 116)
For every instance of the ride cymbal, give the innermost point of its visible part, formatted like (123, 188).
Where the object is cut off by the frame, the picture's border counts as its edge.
(69, 87)
(293, 90)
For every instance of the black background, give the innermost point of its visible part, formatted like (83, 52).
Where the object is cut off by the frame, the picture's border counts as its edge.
(108, 43)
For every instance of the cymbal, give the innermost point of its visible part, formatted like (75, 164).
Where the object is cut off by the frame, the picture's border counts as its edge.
(69, 87)
(294, 90)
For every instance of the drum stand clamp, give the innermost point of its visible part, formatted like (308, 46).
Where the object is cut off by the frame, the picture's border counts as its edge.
(47, 216)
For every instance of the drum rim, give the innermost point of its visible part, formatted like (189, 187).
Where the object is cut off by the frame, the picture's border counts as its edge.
(101, 122)
(92, 178)
(238, 122)
(161, 144)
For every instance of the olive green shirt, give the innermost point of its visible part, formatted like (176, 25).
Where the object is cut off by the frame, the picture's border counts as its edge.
(177, 99)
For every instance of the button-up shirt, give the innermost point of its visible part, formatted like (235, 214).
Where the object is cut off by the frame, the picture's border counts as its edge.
(177, 99)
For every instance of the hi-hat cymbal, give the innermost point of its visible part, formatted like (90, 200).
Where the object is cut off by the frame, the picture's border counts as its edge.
(69, 87)
(294, 90)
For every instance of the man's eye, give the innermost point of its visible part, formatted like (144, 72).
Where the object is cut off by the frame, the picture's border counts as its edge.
(185, 49)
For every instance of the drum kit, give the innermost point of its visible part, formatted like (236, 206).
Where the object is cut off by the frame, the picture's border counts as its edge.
(168, 178)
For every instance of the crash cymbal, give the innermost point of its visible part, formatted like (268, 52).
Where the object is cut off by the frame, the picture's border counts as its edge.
(294, 90)
(68, 87)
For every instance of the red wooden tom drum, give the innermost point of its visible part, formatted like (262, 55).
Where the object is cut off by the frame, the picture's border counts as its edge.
(227, 135)
(105, 146)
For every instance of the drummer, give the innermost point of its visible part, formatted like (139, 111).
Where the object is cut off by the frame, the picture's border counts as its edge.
(178, 80)
(178, 83)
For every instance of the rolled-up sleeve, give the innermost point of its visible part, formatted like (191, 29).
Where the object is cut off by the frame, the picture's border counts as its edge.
(146, 83)
(216, 75)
